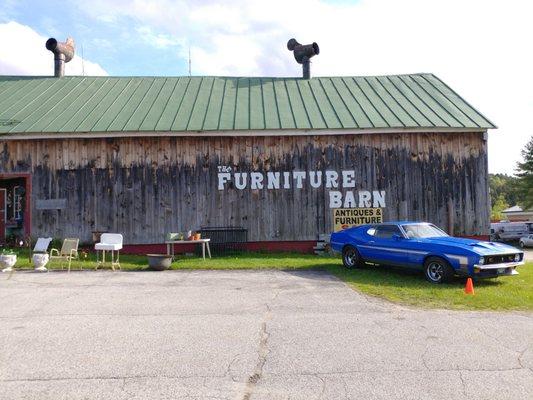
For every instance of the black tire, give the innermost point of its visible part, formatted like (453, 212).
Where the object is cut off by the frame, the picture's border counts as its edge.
(351, 257)
(521, 244)
(438, 270)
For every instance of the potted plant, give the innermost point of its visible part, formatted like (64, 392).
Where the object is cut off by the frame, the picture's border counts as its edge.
(39, 261)
(8, 259)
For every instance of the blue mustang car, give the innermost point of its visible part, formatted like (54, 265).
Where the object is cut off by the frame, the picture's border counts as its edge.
(423, 246)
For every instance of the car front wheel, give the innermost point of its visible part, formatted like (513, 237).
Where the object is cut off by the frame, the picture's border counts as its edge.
(438, 270)
(522, 245)
(351, 257)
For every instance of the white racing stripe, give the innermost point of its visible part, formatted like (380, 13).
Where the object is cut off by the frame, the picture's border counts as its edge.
(394, 250)
(462, 259)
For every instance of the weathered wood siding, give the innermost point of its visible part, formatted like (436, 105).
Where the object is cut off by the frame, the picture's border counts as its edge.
(146, 187)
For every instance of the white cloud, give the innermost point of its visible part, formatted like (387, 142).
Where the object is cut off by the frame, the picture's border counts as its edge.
(23, 52)
(159, 40)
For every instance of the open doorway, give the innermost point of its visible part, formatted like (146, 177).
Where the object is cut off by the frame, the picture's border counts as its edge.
(15, 208)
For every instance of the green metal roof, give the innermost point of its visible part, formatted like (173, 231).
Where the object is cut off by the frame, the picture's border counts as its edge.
(183, 104)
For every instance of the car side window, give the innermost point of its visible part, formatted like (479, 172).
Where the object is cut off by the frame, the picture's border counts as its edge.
(387, 231)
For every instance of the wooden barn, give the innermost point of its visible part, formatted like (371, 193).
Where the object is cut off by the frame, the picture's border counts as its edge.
(287, 159)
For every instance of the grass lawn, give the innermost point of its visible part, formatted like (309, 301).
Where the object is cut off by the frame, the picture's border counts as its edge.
(411, 288)
(404, 287)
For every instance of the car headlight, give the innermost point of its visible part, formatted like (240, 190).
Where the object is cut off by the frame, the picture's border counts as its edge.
(481, 260)
(517, 257)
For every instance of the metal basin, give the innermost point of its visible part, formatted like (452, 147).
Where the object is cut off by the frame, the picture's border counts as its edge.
(159, 262)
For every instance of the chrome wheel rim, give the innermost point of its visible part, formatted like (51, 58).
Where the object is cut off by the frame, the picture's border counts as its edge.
(435, 271)
(350, 257)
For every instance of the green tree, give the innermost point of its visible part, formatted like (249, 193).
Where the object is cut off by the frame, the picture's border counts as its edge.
(503, 185)
(497, 207)
(524, 172)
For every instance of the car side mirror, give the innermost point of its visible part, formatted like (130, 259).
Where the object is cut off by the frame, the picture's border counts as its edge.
(397, 237)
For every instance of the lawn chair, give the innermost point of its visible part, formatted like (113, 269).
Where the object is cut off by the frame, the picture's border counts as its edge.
(68, 252)
(41, 246)
(109, 242)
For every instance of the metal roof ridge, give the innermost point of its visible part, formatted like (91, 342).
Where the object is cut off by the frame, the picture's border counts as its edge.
(209, 76)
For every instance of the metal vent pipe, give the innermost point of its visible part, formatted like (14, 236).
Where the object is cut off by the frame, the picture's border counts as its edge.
(302, 55)
(63, 53)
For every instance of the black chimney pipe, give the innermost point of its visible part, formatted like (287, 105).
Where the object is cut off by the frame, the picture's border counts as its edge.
(303, 54)
(63, 53)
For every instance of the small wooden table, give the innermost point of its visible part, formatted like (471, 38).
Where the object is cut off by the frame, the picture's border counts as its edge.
(204, 242)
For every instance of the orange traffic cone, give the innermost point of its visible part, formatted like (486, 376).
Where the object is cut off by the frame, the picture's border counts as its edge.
(469, 288)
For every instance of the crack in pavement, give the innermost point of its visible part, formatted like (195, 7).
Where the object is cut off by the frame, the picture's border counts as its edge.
(423, 358)
(323, 380)
(111, 378)
(382, 371)
(262, 352)
(463, 384)
(243, 311)
(230, 364)
(345, 385)
(263, 347)
(520, 355)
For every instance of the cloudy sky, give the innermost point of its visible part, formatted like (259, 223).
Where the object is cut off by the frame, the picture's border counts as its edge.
(481, 48)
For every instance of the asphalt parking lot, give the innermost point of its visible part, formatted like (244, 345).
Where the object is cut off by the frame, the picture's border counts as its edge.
(246, 335)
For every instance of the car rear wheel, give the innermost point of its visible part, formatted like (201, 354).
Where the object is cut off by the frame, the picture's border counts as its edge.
(522, 245)
(351, 257)
(437, 270)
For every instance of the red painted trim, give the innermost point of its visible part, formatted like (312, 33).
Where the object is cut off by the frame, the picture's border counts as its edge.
(27, 197)
(155, 249)
(305, 246)
(4, 217)
(27, 211)
(296, 246)
(477, 237)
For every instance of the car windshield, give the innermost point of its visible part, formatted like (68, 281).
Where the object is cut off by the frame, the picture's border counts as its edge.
(421, 231)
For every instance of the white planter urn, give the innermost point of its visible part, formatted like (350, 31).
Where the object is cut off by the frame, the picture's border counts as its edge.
(39, 261)
(7, 261)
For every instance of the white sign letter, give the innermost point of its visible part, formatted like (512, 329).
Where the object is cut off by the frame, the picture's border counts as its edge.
(364, 198)
(331, 179)
(222, 179)
(348, 179)
(379, 198)
(349, 200)
(315, 178)
(335, 199)
(298, 176)
(241, 183)
(273, 180)
(256, 180)
(286, 180)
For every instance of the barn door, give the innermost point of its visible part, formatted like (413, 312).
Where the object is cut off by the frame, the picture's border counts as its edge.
(2, 216)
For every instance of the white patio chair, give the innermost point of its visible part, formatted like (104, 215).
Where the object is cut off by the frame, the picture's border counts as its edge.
(41, 246)
(109, 242)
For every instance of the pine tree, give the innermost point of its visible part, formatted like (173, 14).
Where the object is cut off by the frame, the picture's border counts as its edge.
(525, 175)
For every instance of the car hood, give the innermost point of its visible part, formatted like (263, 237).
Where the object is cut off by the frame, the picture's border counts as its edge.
(477, 246)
